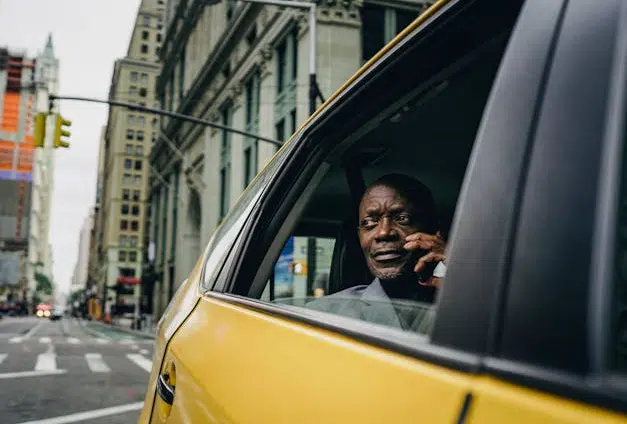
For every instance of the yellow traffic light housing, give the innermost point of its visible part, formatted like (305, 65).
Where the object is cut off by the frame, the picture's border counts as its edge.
(60, 131)
(40, 129)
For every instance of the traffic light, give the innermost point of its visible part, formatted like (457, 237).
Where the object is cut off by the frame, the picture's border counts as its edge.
(40, 129)
(60, 131)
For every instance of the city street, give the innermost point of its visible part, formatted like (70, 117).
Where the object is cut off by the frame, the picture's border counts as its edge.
(70, 371)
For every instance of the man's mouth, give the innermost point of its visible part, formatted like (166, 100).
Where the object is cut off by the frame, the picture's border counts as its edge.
(388, 255)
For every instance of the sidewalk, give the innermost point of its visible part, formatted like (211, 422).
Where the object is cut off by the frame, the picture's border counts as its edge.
(148, 333)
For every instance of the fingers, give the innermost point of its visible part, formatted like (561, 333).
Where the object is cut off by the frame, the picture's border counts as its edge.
(429, 258)
(432, 242)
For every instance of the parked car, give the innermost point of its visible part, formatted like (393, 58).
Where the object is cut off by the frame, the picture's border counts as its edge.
(514, 114)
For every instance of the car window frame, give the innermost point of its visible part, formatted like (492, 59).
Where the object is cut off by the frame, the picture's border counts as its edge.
(450, 355)
(588, 381)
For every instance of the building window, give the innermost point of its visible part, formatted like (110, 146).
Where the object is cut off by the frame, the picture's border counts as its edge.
(135, 210)
(145, 35)
(380, 25)
(122, 256)
(126, 194)
(143, 92)
(132, 241)
(144, 78)
(123, 241)
(130, 134)
(124, 209)
(157, 50)
(144, 48)
(136, 195)
(132, 256)
(128, 164)
(230, 9)
(133, 76)
(138, 179)
(124, 224)
(141, 120)
(252, 90)
(130, 120)
(138, 165)
(140, 135)
(129, 149)
(158, 37)
(287, 70)
(146, 20)
(134, 225)
(139, 151)
(154, 138)
(132, 91)
(154, 123)
(225, 162)
(127, 179)
(251, 36)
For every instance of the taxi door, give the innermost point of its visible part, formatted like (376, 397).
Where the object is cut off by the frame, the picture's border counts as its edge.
(553, 361)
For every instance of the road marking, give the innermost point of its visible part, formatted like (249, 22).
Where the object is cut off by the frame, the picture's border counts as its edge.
(95, 363)
(47, 361)
(144, 351)
(102, 341)
(30, 374)
(127, 341)
(140, 360)
(16, 340)
(44, 340)
(73, 340)
(3, 356)
(89, 415)
(134, 347)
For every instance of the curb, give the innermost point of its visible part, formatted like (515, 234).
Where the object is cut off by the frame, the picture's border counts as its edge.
(138, 333)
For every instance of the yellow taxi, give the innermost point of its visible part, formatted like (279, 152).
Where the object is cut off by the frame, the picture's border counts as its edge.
(513, 114)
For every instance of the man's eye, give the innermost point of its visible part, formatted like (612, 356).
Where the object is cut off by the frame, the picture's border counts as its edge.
(403, 219)
(368, 223)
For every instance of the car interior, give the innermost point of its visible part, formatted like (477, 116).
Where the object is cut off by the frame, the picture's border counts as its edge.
(429, 137)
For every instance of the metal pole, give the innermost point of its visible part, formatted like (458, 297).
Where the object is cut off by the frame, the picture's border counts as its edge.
(162, 112)
(313, 86)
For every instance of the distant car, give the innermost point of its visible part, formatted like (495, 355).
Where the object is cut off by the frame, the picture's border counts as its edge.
(57, 313)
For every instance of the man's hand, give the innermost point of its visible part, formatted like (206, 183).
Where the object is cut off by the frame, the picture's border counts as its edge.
(434, 245)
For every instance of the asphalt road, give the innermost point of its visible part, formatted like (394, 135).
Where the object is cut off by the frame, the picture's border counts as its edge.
(70, 370)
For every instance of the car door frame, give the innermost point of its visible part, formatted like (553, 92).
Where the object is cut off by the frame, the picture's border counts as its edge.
(450, 345)
(532, 347)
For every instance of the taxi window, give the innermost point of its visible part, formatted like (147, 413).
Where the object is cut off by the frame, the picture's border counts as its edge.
(222, 240)
(350, 256)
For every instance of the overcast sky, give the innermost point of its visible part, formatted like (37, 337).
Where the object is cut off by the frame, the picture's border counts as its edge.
(88, 35)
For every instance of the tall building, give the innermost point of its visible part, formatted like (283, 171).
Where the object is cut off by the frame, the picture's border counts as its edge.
(25, 172)
(40, 250)
(127, 141)
(246, 66)
(79, 278)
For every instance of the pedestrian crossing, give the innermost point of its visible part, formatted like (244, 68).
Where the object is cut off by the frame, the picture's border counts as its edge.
(78, 341)
(47, 363)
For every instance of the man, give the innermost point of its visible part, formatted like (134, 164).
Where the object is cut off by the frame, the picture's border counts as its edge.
(405, 252)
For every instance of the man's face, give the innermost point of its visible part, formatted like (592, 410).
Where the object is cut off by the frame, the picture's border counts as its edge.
(386, 217)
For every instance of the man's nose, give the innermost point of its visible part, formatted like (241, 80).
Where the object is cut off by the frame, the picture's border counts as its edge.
(385, 230)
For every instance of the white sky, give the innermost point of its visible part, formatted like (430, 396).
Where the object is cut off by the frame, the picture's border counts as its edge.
(88, 35)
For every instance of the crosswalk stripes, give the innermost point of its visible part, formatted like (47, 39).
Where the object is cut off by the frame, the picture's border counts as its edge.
(96, 363)
(140, 360)
(46, 364)
(44, 340)
(73, 340)
(132, 343)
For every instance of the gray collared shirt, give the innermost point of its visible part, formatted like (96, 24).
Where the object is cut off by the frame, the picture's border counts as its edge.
(370, 303)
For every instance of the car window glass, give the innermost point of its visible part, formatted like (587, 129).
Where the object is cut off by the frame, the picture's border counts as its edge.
(364, 270)
(222, 240)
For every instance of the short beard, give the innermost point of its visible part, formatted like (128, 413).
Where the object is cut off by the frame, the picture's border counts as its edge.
(389, 275)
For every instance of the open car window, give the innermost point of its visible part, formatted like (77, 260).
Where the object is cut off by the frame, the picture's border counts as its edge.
(327, 253)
